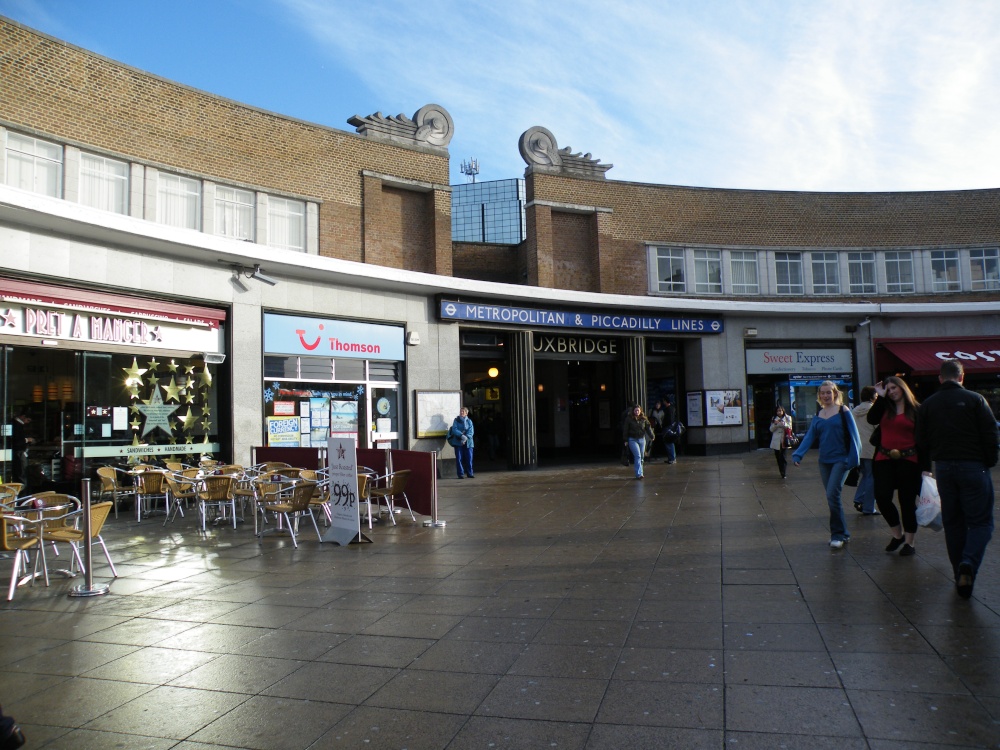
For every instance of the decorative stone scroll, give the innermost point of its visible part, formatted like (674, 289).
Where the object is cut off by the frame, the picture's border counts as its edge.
(431, 126)
(538, 148)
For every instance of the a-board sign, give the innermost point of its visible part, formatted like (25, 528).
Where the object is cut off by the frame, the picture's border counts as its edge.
(342, 466)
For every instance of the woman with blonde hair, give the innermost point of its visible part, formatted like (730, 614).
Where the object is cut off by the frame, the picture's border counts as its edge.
(835, 432)
(897, 465)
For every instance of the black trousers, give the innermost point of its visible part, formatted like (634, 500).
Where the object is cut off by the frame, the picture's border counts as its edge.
(779, 456)
(902, 477)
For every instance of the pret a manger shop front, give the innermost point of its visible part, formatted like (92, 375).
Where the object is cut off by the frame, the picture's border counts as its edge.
(105, 378)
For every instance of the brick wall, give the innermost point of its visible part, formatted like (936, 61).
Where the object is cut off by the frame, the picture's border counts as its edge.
(485, 262)
(68, 94)
(574, 254)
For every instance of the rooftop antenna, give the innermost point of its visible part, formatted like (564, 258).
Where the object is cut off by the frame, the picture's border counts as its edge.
(470, 169)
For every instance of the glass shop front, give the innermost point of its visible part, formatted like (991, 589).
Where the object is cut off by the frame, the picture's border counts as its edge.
(89, 379)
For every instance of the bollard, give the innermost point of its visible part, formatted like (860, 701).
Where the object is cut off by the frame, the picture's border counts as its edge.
(88, 588)
(434, 521)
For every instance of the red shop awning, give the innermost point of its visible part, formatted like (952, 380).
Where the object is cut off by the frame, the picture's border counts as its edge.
(924, 356)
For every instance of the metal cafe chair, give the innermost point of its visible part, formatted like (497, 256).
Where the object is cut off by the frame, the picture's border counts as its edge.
(149, 490)
(109, 476)
(394, 487)
(71, 533)
(290, 509)
(216, 491)
(18, 536)
(180, 489)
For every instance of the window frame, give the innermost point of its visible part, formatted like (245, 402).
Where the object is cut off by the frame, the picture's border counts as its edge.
(274, 213)
(110, 183)
(29, 155)
(169, 185)
(789, 260)
(224, 206)
(744, 259)
(979, 257)
(893, 280)
(821, 263)
(942, 263)
(707, 261)
(866, 263)
(674, 255)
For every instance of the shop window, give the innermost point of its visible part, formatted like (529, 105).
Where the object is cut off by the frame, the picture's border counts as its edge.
(178, 201)
(861, 273)
(825, 273)
(234, 213)
(985, 268)
(898, 271)
(286, 224)
(384, 371)
(944, 271)
(743, 266)
(104, 183)
(708, 271)
(670, 269)
(34, 165)
(788, 273)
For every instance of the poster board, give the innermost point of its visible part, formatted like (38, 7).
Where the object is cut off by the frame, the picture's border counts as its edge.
(723, 408)
(342, 465)
(435, 411)
(695, 409)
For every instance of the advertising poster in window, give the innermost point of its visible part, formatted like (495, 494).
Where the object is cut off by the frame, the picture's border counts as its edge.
(344, 418)
(283, 432)
(724, 408)
(319, 420)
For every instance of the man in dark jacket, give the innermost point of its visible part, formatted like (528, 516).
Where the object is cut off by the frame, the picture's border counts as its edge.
(958, 430)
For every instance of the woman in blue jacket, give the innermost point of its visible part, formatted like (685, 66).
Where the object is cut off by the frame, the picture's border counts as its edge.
(835, 432)
(460, 438)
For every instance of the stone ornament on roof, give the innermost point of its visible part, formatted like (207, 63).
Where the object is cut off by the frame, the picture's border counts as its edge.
(539, 149)
(431, 126)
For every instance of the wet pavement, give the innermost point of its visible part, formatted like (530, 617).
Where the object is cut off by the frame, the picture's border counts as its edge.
(563, 608)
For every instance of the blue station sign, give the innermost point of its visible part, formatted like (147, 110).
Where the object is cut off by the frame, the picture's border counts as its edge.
(601, 321)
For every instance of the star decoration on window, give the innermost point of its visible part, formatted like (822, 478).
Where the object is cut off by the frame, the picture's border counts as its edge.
(173, 366)
(188, 421)
(206, 377)
(152, 364)
(133, 374)
(157, 414)
(9, 320)
(173, 391)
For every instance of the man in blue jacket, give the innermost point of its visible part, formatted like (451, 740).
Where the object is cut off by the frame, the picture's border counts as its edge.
(958, 430)
(460, 438)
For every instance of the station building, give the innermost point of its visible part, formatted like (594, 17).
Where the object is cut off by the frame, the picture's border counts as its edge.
(183, 274)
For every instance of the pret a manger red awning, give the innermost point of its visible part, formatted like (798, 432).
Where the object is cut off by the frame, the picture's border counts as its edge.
(924, 356)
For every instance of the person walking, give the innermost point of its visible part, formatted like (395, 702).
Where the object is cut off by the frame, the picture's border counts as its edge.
(19, 442)
(897, 465)
(670, 435)
(834, 432)
(635, 432)
(460, 437)
(780, 424)
(864, 495)
(657, 419)
(958, 431)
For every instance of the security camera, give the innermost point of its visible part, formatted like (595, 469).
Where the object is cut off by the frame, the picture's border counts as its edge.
(261, 276)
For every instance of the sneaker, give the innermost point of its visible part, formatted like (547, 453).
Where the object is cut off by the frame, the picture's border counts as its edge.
(837, 543)
(894, 544)
(859, 507)
(907, 550)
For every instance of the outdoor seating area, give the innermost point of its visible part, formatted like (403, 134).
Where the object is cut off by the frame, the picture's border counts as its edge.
(567, 608)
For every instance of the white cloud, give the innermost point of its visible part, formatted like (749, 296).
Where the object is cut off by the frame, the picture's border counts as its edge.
(787, 94)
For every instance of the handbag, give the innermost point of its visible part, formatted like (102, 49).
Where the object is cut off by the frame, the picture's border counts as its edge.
(791, 439)
(626, 456)
(852, 477)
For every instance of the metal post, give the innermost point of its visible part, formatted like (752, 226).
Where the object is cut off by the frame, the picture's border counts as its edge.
(435, 522)
(88, 588)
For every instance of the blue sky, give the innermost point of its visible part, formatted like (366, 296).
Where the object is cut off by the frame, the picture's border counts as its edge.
(853, 95)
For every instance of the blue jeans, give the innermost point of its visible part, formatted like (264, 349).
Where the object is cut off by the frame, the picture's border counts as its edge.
(463, 456)
(637, 446)
(833, 476)
(671, 449)
(966, 490)
(865, 493)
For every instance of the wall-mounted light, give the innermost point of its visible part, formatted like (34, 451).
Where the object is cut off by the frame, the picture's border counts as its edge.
(493, 372)
(749, 332)
(541, 387)
(604, 387)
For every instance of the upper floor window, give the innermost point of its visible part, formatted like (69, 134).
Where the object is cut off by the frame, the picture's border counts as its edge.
(861, 273)
(234, 213)
(944, 271)
(825, 273)
(708, 271)
(788, 273)
(286, 224)
(743, 265)
(898, 271)
(670, 269)
(104, 183)
(34, 165)
(985, 267)
(178, 201)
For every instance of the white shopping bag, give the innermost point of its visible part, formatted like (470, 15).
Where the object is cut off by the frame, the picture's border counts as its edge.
(929, 504)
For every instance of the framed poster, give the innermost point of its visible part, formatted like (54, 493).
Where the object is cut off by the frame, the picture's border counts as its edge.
(695, 409)
(435, 411)
(724, 408)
